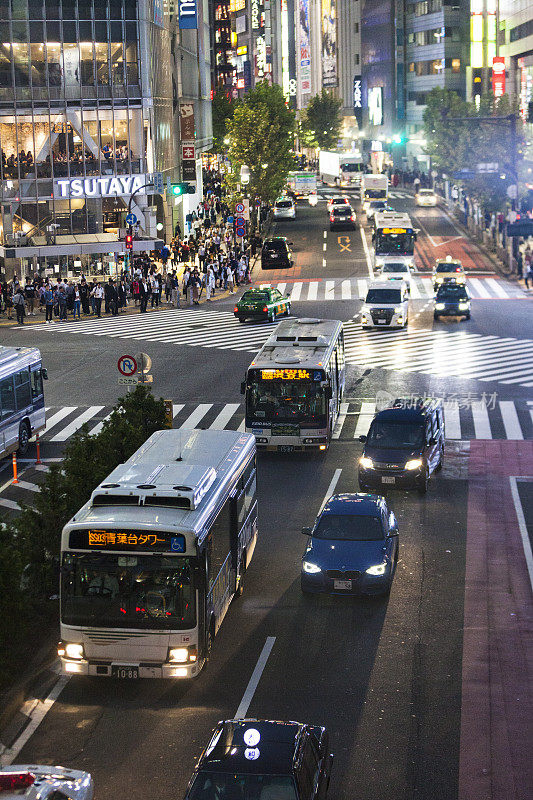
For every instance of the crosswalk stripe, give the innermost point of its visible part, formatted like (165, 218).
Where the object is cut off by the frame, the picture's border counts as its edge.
(242, 426)
(481, 420)
(197, 415)
(510, 419)
(176, 408)
(368, 409)
(9, 504)
(281, 287)
(99, 425)
(452, 420)
(296, 291)
(222, 419)
(330, 287)
(313, 290)
(496, 286)
(340, 420)
(57, 417)
(428, 286)
(415, 291)
(362, 288)
(480, 289)
(76, 424)
(346, 290)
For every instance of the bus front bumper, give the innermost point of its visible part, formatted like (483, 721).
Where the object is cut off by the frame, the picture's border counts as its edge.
(315, 440)
(111, 669)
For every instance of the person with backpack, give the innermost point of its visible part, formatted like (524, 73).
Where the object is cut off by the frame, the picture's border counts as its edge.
(19, 305)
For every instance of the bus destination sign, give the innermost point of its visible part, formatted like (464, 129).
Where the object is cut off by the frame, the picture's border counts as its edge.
(94, 539)
(394, 230)
(286, 375)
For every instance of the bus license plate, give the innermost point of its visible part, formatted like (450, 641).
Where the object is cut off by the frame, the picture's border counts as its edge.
(342, 584)
(382, 321)
(286, 448)
(124, 671)
(388, 480)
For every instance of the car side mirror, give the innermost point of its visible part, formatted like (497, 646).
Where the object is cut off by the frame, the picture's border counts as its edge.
(291, 244)
(306, 531)
(328, 392)
(44, 373)
(432, 441)
(243, 387)
(362, 439)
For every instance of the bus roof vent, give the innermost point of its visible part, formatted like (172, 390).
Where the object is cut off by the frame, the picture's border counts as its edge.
(289, 359)
(308, 321)
(178, 484)
(315, 341)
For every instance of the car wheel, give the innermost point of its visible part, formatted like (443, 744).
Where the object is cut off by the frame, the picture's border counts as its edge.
(467, 316)
(288, 310)
(242, 319)
(423, 485)
(436, 317)
(24, 438)
(272, 317)
(441, 459)
(406, 321)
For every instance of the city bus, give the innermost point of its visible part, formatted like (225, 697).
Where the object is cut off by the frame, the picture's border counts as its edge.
(295, 385)
(22, 412)
(394, 238)
(150, 564)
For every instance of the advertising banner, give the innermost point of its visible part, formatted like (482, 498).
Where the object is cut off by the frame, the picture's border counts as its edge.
(358, 99)
(329, 43)
(305, 48)
(188, 14)
(498, 76)
(186, 121)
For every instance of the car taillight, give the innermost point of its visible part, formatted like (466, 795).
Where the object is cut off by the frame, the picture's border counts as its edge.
(265, 308)
(11, 781)
(353, 217)
(331, 217)
(235, 309)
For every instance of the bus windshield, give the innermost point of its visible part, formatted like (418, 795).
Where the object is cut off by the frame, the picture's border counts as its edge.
(286, 401)
(395, 243)
(127, 591)
(350, 167)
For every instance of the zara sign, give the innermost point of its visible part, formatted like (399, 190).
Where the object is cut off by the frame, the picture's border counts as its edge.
(99, 187)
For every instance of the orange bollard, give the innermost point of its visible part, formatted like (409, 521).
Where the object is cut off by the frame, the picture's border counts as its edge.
(15, 477)
(38, 442)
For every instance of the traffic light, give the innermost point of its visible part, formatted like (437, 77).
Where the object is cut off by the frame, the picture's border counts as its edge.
(477, 81)
(129, 241)
(182, 188)
(398, 138)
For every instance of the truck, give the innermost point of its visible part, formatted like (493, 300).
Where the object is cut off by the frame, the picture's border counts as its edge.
(374, 187)
(340, 169)
(302, 185)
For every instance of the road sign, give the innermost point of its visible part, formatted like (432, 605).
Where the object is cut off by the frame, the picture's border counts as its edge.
(130, 381)
(240, 222)
(131, 219)
(169, 413)
(144, 362)
(240, 232)
(188, 170)
(239, 208)
(127, 365)
(231, 220)
(188, 152)
(158, 182)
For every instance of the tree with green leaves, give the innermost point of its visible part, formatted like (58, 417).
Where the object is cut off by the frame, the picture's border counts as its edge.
(321, 121)
(261, 136)
(222, 108)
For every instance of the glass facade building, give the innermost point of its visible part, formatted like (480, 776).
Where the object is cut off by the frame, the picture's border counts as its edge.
(85, 95)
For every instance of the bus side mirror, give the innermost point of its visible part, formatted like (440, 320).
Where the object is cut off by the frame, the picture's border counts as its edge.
(329, 393)
(44, 373)
(243, 387)
(306, 531)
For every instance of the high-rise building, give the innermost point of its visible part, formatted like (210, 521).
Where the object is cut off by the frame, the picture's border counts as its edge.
(89, 109)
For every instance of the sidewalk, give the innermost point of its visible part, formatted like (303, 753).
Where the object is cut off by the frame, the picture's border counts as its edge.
(496, 747)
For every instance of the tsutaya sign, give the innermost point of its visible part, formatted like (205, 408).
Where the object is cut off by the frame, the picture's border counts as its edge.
(119, 186)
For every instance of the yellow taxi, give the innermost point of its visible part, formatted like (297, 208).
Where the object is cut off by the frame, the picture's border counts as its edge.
(448, 270)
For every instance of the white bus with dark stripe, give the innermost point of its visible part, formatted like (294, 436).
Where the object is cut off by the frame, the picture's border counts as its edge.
(22, 413)
(150, 564)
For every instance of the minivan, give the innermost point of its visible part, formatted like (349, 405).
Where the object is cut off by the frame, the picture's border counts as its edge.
(276, 253)
(386, 305)
(404, 446)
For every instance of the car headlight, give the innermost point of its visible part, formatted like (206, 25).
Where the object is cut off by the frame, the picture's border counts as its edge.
(377, 569)
(464, 306)
(414, 463)
(310, 568)
(73, 650)
(439, 306)
(366, 462)
(438, 279)
(398, 310)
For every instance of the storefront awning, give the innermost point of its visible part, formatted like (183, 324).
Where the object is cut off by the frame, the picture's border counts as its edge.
(81, 244)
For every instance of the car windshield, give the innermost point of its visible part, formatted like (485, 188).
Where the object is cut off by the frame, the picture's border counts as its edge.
(374, 192)
(351, 167)
(384, 296)
(395, 268)
(133, 591)
(377, 206)
(449, 266)
(255, 297)
(343, 210)
(231, 786)
(349, 528)
(339, 201)
(286, 401)
(425, 191)
(276, 247)
(395, 435)
(453, 291)
(283, 203)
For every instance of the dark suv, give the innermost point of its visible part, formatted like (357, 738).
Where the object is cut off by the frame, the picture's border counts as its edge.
(276, 253)
(404, 446)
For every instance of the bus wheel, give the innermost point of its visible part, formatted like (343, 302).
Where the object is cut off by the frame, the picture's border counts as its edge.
(24, 438)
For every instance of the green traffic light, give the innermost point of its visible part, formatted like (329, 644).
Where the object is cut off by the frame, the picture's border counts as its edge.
(178, 189)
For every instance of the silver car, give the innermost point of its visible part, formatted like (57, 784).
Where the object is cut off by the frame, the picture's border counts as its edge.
(38, 782)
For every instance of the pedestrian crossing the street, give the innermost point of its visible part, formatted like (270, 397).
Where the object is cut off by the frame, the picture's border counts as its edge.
(466, 417)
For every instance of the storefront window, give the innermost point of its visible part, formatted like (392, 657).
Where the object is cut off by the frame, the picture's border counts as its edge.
(53, 52)
(102, 63)
(38, 66)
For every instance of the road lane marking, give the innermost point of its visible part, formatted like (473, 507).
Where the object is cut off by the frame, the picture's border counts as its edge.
(296, 291)
(526, 544)
(74, 426)
(253, 683)
(510, 420)
(281, 287)
(480, 289)
(176, 408)
(324, 246)
(325, 234)
(10, 504)
(480, 416)
(30, 487)
(99, 425)
(366, 414)
(346, 290)
(39, 712)
(452, 420)
(222, 419)
(313, 290)
(197, 415)
(323, 262)
(362, 285)
(340, 421)
(496, 287)
(57, 417)
(330, 288)
(415, 291)
(331, 488)
(367, 253)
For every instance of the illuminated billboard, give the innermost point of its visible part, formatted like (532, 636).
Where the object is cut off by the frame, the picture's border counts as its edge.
(329, 43)
(375, 105)
(305, 49)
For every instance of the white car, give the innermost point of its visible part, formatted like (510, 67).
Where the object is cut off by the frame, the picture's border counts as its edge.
(425, 197)
(371, 207)
(36, 782)
(284, 208)
(386, 305)
(395, 271)
(338, 200)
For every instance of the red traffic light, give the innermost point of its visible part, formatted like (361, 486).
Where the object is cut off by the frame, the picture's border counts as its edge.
(129, 241)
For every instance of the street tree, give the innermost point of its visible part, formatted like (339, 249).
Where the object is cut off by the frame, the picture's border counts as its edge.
(222, 107)
(321, 121)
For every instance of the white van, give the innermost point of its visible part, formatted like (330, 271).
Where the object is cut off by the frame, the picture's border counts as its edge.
(386, 305)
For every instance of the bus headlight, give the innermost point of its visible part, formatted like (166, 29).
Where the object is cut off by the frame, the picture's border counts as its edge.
(366, 462)
(180, 655)
(414, 463)
(310, 568)
(72, 650)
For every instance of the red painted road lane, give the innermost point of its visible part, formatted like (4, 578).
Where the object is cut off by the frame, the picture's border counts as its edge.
(496, 761)
(463, 249)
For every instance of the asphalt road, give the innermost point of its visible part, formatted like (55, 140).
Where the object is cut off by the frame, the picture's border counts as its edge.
(384, 676)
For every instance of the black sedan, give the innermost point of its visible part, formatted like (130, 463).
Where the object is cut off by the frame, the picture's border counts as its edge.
(250, 759)
(452, 300)
(342, 216)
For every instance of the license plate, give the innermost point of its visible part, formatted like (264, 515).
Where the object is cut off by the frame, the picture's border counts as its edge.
(382, 321)
(286, 448)
(387, 479)
(342, 584)
(124, 671)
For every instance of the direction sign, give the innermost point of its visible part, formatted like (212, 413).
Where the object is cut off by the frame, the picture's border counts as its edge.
(131, 219)
(127, 365)
(239, 208)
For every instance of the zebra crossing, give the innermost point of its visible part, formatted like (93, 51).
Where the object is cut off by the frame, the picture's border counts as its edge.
(444, 353)
(466, 418)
